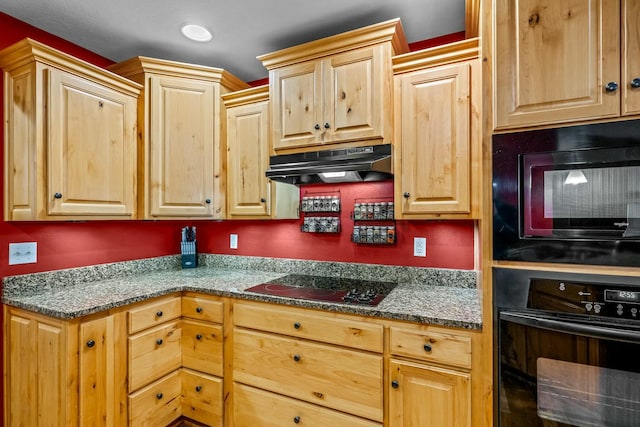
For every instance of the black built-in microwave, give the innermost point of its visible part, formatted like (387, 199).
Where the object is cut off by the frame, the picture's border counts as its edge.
(568, 195)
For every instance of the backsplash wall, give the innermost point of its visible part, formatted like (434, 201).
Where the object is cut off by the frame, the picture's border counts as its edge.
(450, 244)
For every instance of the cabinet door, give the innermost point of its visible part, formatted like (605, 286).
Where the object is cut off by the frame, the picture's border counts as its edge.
(357, 94)
(39, 385)
(436, 141)
(248, 189)
(425, 396)
(554, 59)
(297, 105)
(91, 148)
(630, 82)
(181, 175)
(94, 382)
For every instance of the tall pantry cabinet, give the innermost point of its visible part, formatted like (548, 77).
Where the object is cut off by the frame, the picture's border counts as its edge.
(70, 137)
(182, 137)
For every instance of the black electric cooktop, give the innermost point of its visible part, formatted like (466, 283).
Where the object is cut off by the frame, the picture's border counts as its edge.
(328, 289)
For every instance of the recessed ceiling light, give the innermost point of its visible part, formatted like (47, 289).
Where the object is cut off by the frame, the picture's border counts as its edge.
(196, 32)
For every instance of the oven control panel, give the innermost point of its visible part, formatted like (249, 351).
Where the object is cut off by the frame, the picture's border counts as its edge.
(598, 299)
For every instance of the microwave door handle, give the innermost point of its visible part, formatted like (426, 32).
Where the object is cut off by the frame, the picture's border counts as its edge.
(564, 326)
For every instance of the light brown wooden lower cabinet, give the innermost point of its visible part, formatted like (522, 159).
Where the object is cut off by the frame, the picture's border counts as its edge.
(428, 396)
(64, 373)
(235, 363)
(329, 376)
(255, 407)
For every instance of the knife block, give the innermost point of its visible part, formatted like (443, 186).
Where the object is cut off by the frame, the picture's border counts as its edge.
(189, 254)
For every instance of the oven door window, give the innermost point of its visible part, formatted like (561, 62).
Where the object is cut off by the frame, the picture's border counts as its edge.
(560, 377)
(594, 194)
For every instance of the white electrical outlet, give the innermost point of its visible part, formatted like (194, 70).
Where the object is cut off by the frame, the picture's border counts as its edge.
(233, 241)
(419, 246)
(23, 253)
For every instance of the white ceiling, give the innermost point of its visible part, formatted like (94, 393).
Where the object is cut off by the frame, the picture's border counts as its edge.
(242, 29)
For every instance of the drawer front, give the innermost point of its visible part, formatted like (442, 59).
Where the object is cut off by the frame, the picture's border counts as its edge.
(154, 353)
(153, 313)
(253, 407)
(202, 308)
(202, 346)
(202, 398)
(314, 326)
(158, 404)
(346, 380)
(433, 345)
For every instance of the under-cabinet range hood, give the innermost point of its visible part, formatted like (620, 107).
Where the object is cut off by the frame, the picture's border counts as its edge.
(356, 164)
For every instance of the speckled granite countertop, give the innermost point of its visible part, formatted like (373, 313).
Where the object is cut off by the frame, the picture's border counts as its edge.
(434, 296)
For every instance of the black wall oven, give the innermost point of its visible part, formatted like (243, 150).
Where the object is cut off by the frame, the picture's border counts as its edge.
(568, 349)
(568, 195)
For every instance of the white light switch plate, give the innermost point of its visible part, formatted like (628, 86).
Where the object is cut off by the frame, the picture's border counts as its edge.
(23, 253)
(233, 241)
(419, 246)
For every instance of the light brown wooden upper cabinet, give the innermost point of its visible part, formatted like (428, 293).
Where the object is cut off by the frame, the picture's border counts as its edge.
(249, 193)
(437, 153)
(565, 60)
(182, 138)
(70, 137)
(335, 89)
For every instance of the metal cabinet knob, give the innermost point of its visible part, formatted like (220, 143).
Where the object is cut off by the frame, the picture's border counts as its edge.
(159, 396)
(199, 337)
(263, 200)
(159, 313)
(406, 195)
(58, 195)
(296, 357)
(317, 126)
(327, 126)
(296, 419)
(635, 82)
(207, 201)
(91, 343)
(297, 325)
(198, 388)
(159, 341)
(199, 310)
(427, 348)
(395, 384)
(611, 87)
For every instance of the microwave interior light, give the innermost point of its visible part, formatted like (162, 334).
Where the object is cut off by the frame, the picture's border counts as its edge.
(575, 177)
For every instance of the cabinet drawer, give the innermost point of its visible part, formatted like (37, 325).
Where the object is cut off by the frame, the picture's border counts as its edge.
(154, 353)
(153, 313)
(202, 308)
(434, 345)
(346, 380)
(304, 324)
(253, 407)
(158, 404)
(202, 346)
(202, 398)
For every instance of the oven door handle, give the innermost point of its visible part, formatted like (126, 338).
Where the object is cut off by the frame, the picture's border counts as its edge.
(576, 328)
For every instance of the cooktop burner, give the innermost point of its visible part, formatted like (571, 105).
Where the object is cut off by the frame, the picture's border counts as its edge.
(328, 289)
